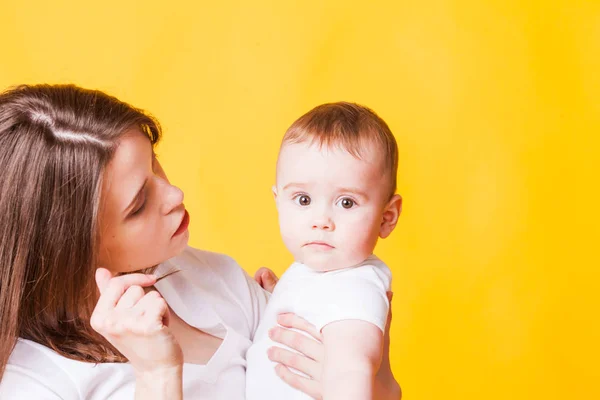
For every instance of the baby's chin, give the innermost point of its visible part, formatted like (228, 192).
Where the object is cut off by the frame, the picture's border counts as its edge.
(324, 262)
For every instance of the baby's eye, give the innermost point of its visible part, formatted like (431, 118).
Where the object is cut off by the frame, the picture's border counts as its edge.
(346, 202)
(302, 200)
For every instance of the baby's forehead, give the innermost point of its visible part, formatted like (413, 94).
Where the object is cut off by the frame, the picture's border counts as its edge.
(310, 163)
(364, 157)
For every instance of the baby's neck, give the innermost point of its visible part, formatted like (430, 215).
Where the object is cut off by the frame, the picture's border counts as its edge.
(336, 268)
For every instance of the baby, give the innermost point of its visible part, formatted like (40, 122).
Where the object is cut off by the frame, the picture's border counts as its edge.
(335, 194)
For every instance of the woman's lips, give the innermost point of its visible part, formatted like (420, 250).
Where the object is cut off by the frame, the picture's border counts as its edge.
(184, 224)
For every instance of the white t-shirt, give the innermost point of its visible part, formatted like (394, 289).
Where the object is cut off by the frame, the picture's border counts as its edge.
(321, 298)
(213, 294)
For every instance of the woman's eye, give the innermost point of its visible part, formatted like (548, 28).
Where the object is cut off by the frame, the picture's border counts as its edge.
(346, 202)
(138, 210)
(303, 200)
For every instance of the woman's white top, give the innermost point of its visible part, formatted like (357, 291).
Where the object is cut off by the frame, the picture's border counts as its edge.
(212, 294)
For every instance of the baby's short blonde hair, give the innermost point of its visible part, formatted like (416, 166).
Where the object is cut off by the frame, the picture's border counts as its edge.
(351, 127)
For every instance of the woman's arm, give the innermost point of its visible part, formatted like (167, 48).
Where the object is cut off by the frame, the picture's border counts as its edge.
(159, 384)
(137, 324)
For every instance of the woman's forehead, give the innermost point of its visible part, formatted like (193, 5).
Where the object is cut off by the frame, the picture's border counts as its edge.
(127, 171)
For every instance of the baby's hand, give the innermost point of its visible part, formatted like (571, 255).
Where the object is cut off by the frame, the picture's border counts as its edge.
(266, 279)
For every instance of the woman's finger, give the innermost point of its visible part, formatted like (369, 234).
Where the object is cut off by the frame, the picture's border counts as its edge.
(154, 309)
(266, 279)
(290, 320)
(308, 386)
(103, 277)
(111, 291)
(132, 295)
(299, 342)
(296, 361)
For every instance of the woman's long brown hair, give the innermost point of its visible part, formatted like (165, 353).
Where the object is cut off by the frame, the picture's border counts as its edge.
(55, 142)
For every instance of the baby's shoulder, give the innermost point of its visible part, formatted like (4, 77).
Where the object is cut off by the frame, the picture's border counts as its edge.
(373, 268)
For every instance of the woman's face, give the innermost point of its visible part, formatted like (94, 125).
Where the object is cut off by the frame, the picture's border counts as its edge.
(142, 219)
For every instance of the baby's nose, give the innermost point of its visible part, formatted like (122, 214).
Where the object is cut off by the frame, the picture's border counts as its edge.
(323, 223)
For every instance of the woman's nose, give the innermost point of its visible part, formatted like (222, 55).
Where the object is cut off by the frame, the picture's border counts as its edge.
(173, 197)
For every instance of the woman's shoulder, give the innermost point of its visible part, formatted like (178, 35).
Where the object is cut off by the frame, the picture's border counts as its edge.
(37, 358)
(195, 259)
(213, 271)
(37, 370)
(215, 278)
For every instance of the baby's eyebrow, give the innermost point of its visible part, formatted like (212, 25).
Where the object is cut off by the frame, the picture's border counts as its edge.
(354, 191)
(295, 185)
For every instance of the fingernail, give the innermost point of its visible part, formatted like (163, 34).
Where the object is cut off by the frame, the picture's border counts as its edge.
(272, 332)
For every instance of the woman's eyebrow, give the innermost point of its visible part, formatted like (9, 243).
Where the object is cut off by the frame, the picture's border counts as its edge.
(135, 198)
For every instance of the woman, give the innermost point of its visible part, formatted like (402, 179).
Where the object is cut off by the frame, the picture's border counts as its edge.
(84, 207)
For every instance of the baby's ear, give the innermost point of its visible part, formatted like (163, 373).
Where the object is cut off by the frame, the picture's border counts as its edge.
(274, 190)
(391, 213)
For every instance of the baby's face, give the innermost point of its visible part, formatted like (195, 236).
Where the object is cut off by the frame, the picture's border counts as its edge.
(330, 204)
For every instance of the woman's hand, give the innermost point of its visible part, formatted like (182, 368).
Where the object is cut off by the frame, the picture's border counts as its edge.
(309, 362)
(136, 322)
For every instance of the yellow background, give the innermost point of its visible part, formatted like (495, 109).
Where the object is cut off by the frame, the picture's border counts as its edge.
(496, 109)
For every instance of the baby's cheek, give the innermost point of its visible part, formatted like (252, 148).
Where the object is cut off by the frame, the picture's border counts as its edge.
(289, 238)
(293, 225)
(362, 244)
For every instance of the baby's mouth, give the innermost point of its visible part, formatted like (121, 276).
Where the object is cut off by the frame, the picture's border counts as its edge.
(319, 244)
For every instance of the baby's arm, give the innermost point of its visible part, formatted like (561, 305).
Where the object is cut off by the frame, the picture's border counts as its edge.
(353, 351)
